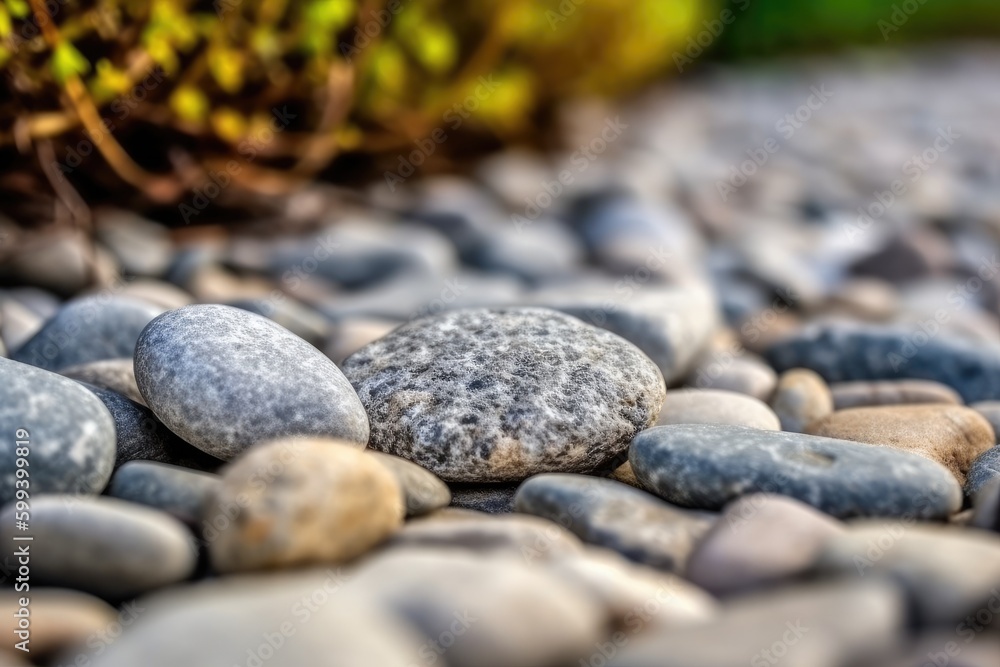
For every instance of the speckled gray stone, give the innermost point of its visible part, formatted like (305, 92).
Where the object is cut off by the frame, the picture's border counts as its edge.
(610, 514)
(488, 498)
(490, 395)
(71, 434)
(104, 546)
(88, 329)
(178, 491)
(114, 374)
(706, 465)
(985, 468)
(423, 491)
(141, 436)
(225, 379)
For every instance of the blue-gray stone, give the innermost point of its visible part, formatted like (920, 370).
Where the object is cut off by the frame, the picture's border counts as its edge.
(984, 469)
(71, 434)
(178, 491)
(706, 465)
(610, 514)
(88, 329)
(224, 379)
(845, 352)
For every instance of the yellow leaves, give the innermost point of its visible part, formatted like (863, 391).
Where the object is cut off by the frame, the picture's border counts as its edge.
(19, 9)
(435, 46)
(189, 104)
(109, 81)
(509, 103)
(228, 124)
(388, 67)
(226, 65)
(5, 24)
(67, 62)
(322, 19)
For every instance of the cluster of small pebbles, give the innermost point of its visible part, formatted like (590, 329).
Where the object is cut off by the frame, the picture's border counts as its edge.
(663, 415)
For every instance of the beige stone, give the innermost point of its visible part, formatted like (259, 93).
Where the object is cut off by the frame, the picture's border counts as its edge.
(952, 435)
(801, 397)
(298, 501)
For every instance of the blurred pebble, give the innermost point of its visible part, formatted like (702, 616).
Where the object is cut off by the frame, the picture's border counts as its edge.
(118, 375)
(800, 398)
(610, 514)
(423, 491)
(300, 501)
(983, 470)
(716, 406)
(62, 619)
(104, 546)
(891, 392)
(180, 492)
(489, 498)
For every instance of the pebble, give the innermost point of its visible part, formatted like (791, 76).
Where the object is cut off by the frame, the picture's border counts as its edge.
(891, 392)
(627, 590)
(299, 501)
(87, 329)
(105, 546)
(670, 324)
(141, 247)
(488, 498)
(986, 506)
(180, 492)
(717, 406)
(952, 435)
(991, 411)
(157, 292)
(759, 540)
(139, 435)
(610, 514)
(850, 352)
(60, 619)
(947, 572)
(826, 624)
(283, 620)
(745, 374)
(499, 395)
(983, 470)
(18, 323)
(304, 322)
(704, 466)
(70, 434)
(500, 612)
(529, 538)
(801, 398)
(199, 367)
(423, 491)
(118, 375)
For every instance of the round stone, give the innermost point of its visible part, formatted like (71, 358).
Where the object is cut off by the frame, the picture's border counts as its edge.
(498, 395)
(88, 329)
(68, 435)
(610, 514)
(952, 435)
(991, 411)
(103, 546)
(716, 406)
(891, 392)
(225, 379)
(298, 501)
(488, 498)
(801, 397)
(423, 491)
(178, 491)
(705, 466)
